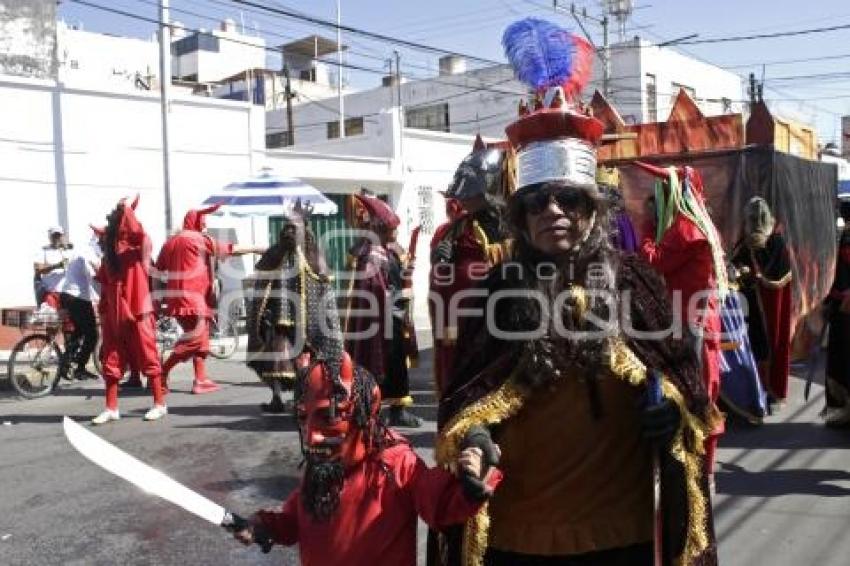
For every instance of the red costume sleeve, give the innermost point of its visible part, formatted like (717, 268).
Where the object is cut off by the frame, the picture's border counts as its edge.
(282, 524)
(668, 255)
(163, 260)
(437, 494)
(218, 248)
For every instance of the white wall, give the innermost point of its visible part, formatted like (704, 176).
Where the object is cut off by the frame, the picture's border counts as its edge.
(96, 60)
(67, 155)
(471, 108)
(236, 53)
(485, 100)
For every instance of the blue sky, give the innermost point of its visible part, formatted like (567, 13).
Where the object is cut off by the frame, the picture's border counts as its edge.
(474, 27)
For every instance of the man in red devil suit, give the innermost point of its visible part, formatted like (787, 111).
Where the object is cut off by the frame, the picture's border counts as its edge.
(126, 311)
(188, 260)
(464, 249)
(364, 486)
(378, 330)
(684, 246)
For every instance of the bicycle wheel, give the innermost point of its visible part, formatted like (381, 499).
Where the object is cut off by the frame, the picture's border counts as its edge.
(34, 366)
(224, 340)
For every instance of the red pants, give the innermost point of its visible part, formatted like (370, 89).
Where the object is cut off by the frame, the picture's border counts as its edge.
(711, 378)
(133, 344)
(193, 345)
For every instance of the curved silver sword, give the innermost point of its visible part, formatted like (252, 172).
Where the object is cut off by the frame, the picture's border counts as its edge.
(119, 463)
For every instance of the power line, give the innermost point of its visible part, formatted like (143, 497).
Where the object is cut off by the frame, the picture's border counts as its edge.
(380, 72)
(288, 13)
(327, 61)
(765, 35)
(788, 61)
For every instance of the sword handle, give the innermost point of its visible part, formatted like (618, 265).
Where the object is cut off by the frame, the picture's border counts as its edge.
(235, 523)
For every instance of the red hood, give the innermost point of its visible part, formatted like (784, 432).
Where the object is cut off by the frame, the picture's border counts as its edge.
(194, 219)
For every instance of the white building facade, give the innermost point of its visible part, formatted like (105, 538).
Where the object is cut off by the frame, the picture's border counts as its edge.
(643, 82)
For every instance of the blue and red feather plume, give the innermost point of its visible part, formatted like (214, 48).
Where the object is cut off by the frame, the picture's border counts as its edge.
(545, 55)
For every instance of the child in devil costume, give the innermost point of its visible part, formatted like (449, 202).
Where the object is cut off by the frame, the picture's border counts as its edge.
(126, 310)
(364, 486)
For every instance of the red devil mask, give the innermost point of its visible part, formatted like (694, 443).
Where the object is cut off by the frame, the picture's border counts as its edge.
(337, 420)
(195, 219)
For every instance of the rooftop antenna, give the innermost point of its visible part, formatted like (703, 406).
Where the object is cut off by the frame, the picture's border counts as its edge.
(620, 10)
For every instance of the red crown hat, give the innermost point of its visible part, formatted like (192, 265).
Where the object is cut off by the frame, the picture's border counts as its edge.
(554, 137)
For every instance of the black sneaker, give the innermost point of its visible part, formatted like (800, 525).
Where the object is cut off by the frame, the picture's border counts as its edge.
(401, 417)
(276, 407)
(83, 374)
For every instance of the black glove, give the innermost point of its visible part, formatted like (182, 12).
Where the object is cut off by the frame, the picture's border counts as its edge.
(476, 488)
(443, 253)
(234, 523)
(660, 422)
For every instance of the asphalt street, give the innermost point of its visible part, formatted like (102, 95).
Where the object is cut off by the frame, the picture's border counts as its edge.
(782, 489)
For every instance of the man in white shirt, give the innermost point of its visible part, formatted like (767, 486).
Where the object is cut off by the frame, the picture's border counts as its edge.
(49, 264)
(78, 290)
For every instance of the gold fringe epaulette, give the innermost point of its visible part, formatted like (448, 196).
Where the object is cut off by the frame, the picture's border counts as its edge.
(491, 409)
(494, 253)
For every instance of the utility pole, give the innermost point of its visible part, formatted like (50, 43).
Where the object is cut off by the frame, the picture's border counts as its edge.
(398, 85)
(287, 93)
(164, 85)
(339, 70)
(604, 53)
(400, 109)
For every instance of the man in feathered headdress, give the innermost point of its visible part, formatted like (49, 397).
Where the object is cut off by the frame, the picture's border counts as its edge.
(126, 310)
(684, 246)
(468, 245)
(377, 329)
(292, 310)
(562, 365)
(188, 261)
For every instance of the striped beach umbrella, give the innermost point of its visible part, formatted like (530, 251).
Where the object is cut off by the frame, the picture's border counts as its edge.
(269, 195)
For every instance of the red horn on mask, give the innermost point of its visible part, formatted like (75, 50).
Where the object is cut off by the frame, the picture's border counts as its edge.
(135, 202)
(98, 231)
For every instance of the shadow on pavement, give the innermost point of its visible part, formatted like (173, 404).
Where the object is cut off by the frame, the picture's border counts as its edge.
(283, 423)
(784, 435)
(736, 481)
(223, 410)
(276, 487)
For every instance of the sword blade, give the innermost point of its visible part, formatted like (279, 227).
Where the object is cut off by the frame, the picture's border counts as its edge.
(119, 463)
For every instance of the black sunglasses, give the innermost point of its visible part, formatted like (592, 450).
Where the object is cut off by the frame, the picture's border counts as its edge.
(568, 199)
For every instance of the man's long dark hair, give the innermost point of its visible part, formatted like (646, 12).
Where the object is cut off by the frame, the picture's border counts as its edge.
(110, 239)
(591, 266)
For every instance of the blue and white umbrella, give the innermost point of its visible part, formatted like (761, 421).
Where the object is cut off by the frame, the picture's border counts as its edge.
(269, 195)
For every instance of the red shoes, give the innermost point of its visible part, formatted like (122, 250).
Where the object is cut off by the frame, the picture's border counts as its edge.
(206, 386)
